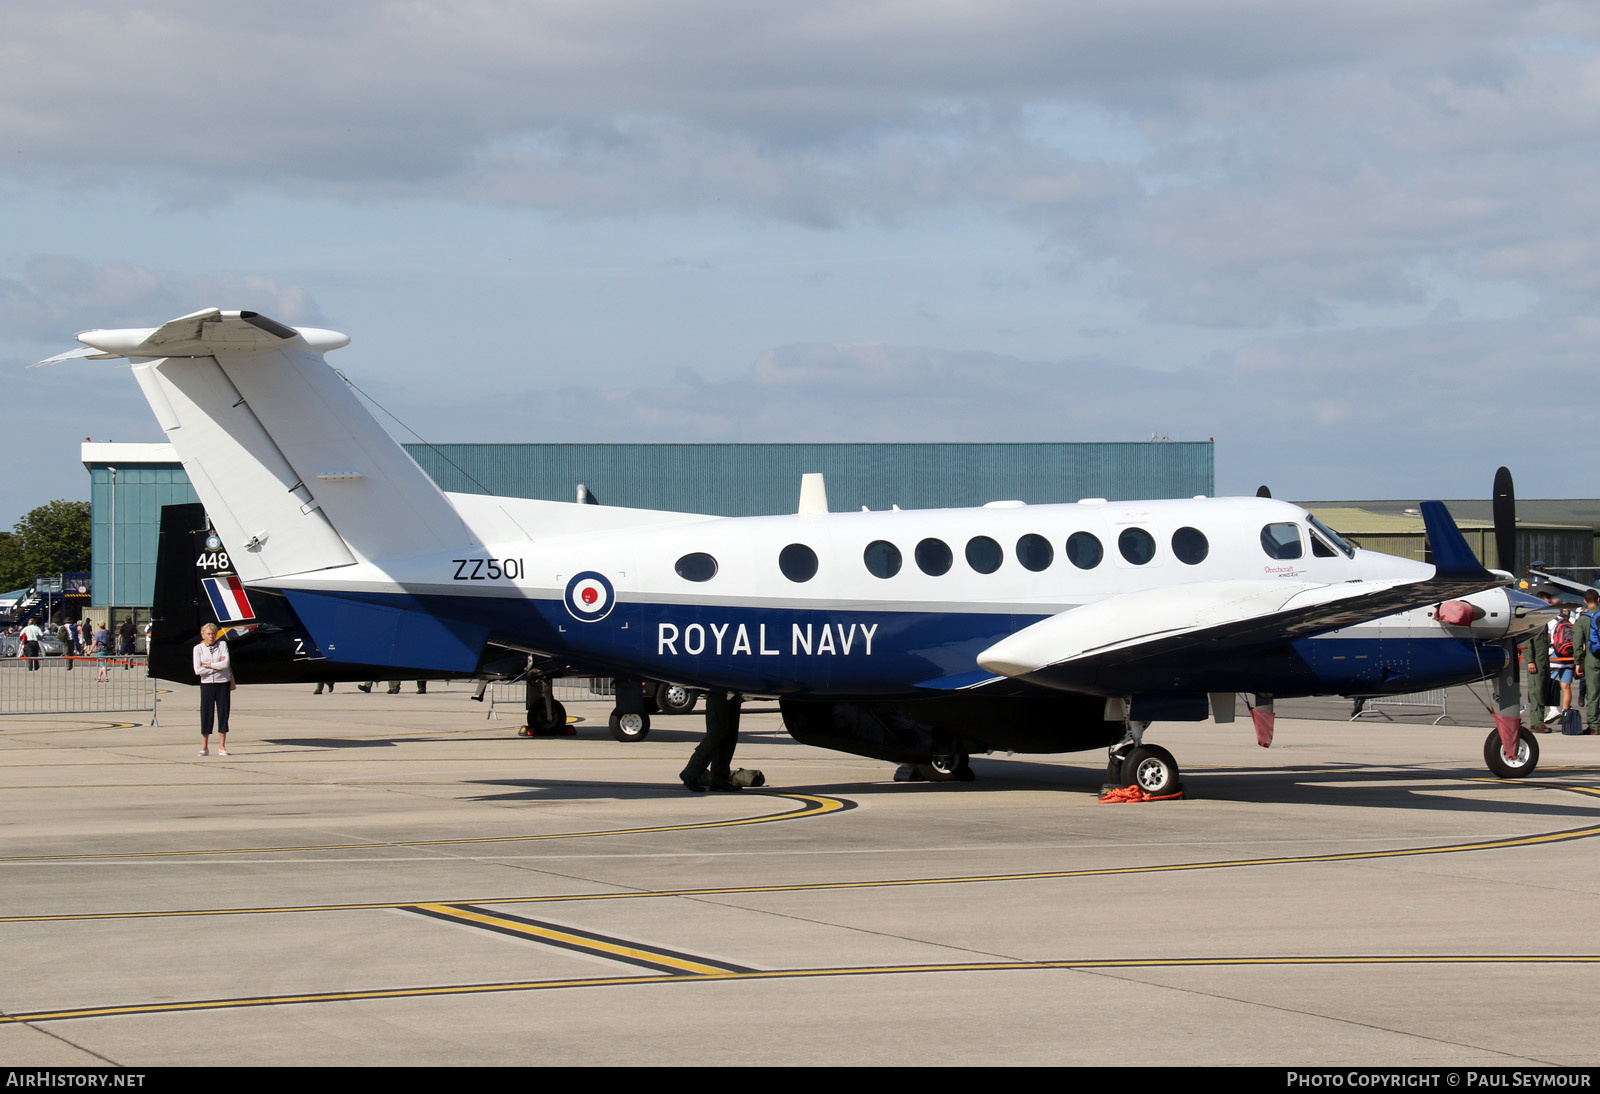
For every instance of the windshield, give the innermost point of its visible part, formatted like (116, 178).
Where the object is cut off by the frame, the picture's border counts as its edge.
(1333, 537)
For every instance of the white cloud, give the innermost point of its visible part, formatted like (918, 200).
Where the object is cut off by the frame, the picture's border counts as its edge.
(59, 294)
(1293, 160)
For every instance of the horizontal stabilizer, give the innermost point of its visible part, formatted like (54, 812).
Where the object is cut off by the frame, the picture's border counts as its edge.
(75, 354)
(203, 333)
(294, 473)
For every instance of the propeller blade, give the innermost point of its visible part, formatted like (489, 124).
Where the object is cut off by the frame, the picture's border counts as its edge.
(1505, 521)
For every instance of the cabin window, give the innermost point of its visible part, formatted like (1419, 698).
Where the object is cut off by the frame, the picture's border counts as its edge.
(1035, 552)
(933, 557)
(1333, 537)
(798, 562)
(1281, 541)
(984, 554)
(1137, 545)
(697, 567)
(1084, 550)
(1190, 546)
(882, 558)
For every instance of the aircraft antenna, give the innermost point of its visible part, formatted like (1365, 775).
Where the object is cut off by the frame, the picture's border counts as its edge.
(420, 439)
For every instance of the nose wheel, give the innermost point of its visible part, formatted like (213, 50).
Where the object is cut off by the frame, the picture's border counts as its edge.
(953, 768)
(1131, 762)
(1518, 767)
(1152, 769)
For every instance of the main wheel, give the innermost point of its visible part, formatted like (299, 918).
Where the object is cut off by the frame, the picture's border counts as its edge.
(1152, 769)
(543, 722)
(946, 769)
(675, 699)
(1527, 755)
(630, 727)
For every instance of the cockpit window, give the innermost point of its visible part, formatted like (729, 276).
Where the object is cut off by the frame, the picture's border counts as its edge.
(1333, 537)
(1282, 541)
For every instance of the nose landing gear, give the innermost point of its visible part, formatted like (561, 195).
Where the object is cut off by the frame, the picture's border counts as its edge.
(1150, 768)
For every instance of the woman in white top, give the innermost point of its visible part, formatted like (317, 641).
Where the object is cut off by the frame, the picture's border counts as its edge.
(216, 680)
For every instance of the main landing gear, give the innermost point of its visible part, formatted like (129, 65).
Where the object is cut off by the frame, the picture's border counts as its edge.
(546, 716)
(675, 699)
(954, 767)
(1131, 762)
(630, 719)
(633, 726)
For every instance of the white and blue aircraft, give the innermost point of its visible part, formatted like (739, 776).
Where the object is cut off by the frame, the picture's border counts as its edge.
(902, 635)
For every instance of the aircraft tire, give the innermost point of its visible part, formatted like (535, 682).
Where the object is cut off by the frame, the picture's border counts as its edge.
(629, 727)
(946, 769)
(675, 699)
(1527, 755)
(1114, 766)
(1152, 769)
(557, 719)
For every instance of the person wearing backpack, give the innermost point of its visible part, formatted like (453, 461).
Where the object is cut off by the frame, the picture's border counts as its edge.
(1588, 662)
(1563, 664)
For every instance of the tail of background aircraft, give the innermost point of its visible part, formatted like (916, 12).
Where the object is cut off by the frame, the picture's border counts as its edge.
(296, 475)
(267, 641)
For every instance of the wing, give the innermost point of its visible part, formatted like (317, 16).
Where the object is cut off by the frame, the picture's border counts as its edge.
(1074, 651)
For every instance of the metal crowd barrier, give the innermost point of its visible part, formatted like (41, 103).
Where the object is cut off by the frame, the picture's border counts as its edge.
(514, 694)
(1420, 702)
(76, 685)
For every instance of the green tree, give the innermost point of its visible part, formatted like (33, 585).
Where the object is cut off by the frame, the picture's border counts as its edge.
(13, 565)
(53, 538)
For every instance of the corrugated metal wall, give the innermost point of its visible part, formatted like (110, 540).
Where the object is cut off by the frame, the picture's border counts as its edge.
(757, 479)
(140, 492)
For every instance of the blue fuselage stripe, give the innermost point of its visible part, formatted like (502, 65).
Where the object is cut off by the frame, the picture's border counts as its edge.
(837, 652)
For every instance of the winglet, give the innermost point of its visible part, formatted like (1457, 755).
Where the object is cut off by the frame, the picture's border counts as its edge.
(1452, 558)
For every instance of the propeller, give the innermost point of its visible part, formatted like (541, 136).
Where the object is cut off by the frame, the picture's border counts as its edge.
(1507, 687)
(1262, 714)
(1505, 521)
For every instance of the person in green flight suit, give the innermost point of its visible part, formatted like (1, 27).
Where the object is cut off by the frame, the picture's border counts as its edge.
(1588, 659)
(1536, 661)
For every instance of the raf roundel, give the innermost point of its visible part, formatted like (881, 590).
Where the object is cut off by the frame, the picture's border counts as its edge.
(590, 597)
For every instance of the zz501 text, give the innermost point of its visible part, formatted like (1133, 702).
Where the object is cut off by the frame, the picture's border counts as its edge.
(487, 569)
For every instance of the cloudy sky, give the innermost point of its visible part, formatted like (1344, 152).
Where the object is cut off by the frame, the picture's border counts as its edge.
(1355, 242)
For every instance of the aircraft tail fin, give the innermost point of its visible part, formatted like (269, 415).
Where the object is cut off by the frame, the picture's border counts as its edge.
(292, 469)
(1452, 557)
